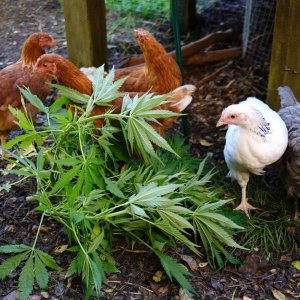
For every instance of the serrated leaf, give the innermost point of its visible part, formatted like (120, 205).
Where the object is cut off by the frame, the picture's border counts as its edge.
(175, 270)
(22, 120)
(104, 88)
(221, 219)
(26, 279)
(211, 205)
(146, 103)
(40, 160)
(65, 179)
(73, 267)
(137, 136)
(167, 228)
(72, 161)
(56, 106)
(96, 242)
(98, 79)
(113, 188)
(221, 233)
(136, 210)
(72, 94)
(34, 100)
(156, 138)
(97, 273)
(41, 273)
(152, 190)
(14, 248)
(157, 114)
(177, 220)
(17, 139)
(11, 264)
(48, 260)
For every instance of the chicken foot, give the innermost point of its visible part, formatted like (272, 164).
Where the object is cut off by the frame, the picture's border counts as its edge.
(244, 205)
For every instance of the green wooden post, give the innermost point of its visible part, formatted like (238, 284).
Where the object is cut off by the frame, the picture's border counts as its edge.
(285, 60)
(85, 23)
(175, 23)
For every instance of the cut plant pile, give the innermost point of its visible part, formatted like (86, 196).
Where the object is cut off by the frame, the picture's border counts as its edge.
(141, 273)
(98, 188)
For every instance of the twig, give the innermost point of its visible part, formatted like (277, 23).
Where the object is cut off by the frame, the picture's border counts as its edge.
(129, 283)
(251, 282)
(133, 251)
(212, 76)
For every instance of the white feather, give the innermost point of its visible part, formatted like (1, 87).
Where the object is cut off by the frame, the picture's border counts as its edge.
(259, 139)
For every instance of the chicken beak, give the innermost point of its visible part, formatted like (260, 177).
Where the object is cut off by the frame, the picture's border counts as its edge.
(220, 123)
(138, 32)
(51, 48)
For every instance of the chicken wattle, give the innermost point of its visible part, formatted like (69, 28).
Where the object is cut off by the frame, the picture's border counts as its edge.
(256, 137)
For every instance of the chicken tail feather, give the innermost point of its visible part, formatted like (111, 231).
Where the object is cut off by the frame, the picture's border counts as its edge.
(287, 97)
(181, 97)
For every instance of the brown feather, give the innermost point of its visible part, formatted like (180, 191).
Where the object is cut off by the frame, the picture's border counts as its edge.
(69, 75)
(20, 74)
(160, 74)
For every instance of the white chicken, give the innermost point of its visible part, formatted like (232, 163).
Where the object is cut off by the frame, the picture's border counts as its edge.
(256, 137)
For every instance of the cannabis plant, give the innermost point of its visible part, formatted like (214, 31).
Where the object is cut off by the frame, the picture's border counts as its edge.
(123, 179)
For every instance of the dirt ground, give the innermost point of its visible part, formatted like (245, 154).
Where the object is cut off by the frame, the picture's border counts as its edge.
(257, 278)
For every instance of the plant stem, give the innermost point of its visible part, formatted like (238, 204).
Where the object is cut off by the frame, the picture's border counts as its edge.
(38, 232)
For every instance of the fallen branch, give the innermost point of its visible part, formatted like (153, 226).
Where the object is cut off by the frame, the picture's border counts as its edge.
(210, 56)
(208, 40)
(187, 50)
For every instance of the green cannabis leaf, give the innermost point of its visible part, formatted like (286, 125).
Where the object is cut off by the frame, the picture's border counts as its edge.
(123, 180)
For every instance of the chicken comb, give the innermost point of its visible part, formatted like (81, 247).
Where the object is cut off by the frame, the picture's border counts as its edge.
(141, 34)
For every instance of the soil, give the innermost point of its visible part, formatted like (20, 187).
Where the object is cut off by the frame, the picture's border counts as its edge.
(256, 278)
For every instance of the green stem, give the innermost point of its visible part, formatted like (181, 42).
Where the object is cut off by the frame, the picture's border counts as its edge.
(38, 232)
(81, 146)
(112, 116)
(95, 217)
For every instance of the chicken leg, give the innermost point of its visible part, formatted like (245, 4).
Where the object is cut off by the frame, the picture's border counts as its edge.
(243, 179)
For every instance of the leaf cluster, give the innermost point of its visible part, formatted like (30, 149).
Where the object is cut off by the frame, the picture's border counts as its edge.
(33, 270)
(123, 179)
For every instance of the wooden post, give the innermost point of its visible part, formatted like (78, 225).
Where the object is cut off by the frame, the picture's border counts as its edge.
(186, 14)
(285, 60)
(85, 23)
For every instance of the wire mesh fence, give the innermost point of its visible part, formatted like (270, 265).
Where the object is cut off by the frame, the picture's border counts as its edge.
(258, 31)
(252, 22)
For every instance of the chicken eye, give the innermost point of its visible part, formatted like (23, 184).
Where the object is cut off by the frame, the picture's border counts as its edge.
(232, 116)
(45, 65)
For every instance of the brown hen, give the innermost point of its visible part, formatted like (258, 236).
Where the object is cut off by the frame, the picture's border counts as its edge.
(20, 74)
(160, 73)
(67, 74)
